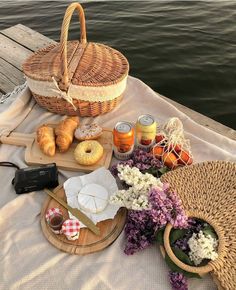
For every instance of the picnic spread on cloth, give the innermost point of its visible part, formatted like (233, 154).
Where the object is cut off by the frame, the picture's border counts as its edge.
(145, 196)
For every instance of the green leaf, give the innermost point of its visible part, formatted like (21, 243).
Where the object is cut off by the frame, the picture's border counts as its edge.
(208, 227)
(152, 171)
(163, 170)
(175, 268)
(176, 234)
(182, 256)
(159, 236)
(210, 232)
(156, 172)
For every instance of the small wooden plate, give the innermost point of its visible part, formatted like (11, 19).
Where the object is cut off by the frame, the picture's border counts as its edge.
(88, 242)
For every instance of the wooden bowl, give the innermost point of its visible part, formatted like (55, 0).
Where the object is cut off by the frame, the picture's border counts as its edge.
(201, 270)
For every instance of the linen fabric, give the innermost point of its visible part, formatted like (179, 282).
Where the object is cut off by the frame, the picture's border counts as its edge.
(29, 261)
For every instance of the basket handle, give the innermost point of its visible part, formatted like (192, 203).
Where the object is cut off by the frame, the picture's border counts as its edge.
(64, 36)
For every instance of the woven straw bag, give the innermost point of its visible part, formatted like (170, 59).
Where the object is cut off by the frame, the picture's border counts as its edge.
(77, 77)
(208, 192)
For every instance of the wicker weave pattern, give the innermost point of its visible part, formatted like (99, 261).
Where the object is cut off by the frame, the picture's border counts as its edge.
(208, 191)
(79, 63)
(84, 109)
(100, 65)
(64, 37)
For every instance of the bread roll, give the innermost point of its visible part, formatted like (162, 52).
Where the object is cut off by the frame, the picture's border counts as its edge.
(46, 140)
(65, 132)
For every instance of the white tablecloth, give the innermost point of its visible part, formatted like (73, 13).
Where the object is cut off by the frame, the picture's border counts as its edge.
(29, 261)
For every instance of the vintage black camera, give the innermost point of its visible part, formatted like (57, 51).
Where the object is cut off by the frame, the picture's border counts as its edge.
(32, 179)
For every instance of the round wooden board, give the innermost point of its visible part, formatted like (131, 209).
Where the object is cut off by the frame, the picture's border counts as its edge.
(88, 242)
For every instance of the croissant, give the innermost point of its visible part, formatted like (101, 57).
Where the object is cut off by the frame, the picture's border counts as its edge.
(46, 140)
(65, 132)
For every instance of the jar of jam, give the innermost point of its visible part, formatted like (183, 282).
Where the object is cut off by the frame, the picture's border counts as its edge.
(54, 218)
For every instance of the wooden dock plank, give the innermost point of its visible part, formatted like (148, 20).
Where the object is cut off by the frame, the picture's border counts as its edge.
(13, 52)
(9, 76)
(27, 37)
(204, 120)
(18, 42)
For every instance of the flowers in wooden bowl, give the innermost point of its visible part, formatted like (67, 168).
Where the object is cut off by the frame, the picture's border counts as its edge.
(190, 250)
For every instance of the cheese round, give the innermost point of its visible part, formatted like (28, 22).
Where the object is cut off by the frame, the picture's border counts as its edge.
(93, 198)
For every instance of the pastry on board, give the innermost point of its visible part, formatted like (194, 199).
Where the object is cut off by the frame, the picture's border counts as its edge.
(88, 152)
(46, 140)
(65, 132)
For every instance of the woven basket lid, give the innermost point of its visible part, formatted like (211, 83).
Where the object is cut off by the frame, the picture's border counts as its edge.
(208, 191)
(77, 62)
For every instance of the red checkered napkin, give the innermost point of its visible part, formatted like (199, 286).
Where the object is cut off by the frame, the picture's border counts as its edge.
(70, 227)
(52, 211)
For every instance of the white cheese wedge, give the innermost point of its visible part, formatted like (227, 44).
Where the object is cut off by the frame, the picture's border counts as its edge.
(93, 198)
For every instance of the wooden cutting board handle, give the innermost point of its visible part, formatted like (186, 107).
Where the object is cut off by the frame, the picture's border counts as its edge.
(18, 139)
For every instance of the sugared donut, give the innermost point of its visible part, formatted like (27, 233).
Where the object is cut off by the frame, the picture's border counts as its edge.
(88, 152)
(88, 132)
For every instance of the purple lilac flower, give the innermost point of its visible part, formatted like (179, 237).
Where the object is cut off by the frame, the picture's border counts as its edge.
(195, 225)
(140, 159)
(166, 207)
(156, 162)
(178, 218)
(141, 225)
(182, 244)
(140, 156)
(142, 166)
(178, 281)
(114, 170)
(139, 231)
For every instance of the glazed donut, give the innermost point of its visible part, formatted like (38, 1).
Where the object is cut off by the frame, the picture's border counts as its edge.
(88, 132)
(88, 152)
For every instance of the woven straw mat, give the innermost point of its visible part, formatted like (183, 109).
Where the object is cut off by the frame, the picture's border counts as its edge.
(209, 190)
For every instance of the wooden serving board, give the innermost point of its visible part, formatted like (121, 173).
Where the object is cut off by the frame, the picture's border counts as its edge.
(34, 156)
(88, 242)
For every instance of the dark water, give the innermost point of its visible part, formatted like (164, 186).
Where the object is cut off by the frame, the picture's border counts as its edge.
(185, 50)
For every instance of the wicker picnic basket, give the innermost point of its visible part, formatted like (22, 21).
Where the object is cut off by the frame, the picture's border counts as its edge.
(77, 77)
(208, 192)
